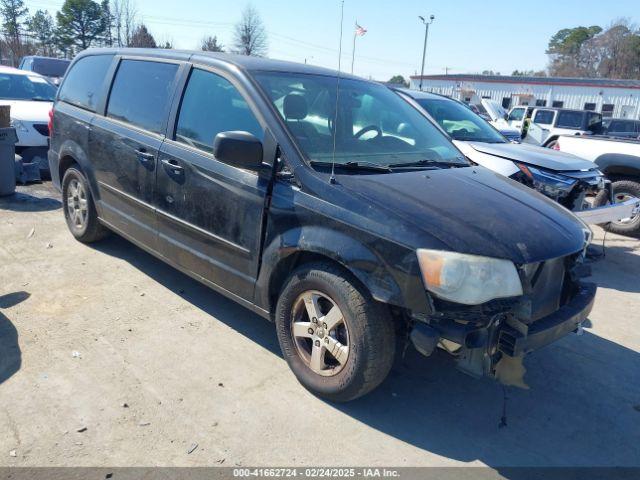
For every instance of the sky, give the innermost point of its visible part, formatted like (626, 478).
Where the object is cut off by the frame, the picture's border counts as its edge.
(467, 36)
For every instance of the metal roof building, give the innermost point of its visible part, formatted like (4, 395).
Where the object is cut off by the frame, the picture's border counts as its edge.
(614, 98)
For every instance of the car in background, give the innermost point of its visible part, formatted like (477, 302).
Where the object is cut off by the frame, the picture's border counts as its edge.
(49, 67)
(497, 116)
(619, 159)
(564, 178)
(621, 127)
(30, 96)
(547, 124)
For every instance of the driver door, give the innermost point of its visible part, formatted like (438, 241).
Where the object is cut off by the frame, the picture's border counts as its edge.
(210, 213)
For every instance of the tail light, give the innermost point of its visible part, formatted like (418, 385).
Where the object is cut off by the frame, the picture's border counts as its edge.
(50, 125)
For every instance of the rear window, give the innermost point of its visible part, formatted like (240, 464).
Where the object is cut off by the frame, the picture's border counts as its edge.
(570, 120)
(141, 93)
(545, 117)
(50, 67)
(82, 85)
(622, 126)
(26, 87)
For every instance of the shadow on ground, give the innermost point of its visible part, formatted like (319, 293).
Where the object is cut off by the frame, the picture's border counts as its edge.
(583, 407)
(10, 355)
(619, 266)
(26, 202)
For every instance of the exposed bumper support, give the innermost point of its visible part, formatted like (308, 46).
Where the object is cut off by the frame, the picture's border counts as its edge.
(610, 213)
(551, 328)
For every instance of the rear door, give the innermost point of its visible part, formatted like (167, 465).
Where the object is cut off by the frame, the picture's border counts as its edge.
(516, 117)
(124, 145)
(210, 213)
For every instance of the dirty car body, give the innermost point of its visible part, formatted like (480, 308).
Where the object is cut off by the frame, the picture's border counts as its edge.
(287, 192)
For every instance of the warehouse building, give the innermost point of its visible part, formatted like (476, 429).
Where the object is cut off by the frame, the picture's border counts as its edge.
(613, 98)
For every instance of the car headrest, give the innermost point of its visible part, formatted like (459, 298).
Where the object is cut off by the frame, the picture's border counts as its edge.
(295, 107)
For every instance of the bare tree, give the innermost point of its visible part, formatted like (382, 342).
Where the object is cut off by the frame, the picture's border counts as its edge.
(250, 36)
(125, 20)
(210, 44)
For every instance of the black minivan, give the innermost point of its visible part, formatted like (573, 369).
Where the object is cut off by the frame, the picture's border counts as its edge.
(323, 202)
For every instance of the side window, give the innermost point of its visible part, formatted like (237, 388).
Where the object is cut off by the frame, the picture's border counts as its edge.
(82, 83)
(569, 119)
(544, 117)
(516, 114)
(557, 104)
(210, 105)
(590, 106)
(141, 93)
(541, 103)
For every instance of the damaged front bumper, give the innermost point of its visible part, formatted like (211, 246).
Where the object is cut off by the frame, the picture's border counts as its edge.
(610, 213)
(517, 339)
(498, 348)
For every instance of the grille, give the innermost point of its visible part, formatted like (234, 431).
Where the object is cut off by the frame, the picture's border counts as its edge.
(42, 128)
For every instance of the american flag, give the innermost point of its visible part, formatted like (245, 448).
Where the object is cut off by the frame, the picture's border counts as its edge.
(360, 31)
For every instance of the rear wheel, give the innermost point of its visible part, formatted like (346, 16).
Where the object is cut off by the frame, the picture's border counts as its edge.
(622, 190)
(79, 208)
(337, 340)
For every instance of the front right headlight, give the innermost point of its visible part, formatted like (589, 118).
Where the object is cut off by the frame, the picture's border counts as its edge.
(468, 279)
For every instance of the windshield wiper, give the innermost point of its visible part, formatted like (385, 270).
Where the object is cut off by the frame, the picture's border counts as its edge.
(354, 165)
(428, 163)
(40, 99)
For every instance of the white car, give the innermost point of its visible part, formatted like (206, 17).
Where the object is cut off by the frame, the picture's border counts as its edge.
(547, 124)
(30, 96)
(620, 161)
(497, 116)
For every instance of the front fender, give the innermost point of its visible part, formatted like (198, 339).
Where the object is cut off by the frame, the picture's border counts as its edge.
(618, 163)
(389, 272)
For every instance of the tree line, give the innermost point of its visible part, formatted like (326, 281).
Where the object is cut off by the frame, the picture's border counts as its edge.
(594, 52)
(80, 24)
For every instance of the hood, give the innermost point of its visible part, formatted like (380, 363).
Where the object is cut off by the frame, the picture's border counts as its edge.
(29, 110)
(469, 210)
(535, 155)
(495, 110)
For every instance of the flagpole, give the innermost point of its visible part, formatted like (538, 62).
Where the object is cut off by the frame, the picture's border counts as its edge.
(353, 52)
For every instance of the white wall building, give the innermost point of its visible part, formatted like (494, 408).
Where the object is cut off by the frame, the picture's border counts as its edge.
(613, 98)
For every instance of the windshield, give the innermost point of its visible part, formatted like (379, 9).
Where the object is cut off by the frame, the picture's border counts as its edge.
(25, 87)
(50, 67)
(460, 122)
(374, 127)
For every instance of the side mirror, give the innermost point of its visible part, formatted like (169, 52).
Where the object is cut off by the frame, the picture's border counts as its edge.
(240, 149)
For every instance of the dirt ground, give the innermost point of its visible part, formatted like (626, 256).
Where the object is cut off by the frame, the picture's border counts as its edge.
(109, 357)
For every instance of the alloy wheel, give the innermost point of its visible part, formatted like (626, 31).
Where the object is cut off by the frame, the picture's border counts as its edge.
(77, 205)
(320, 333)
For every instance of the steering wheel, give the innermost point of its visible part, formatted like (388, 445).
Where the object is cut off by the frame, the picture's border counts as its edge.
(369, 128)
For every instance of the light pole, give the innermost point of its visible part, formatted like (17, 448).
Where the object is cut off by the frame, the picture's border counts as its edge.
(426, 35)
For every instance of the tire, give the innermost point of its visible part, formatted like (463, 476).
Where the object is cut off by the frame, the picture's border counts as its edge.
(621, 189)
(79, 208)
(370, 336)
(551, 144)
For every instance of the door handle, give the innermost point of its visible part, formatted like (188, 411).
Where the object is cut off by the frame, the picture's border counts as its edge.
(143, 156)
(172, 166)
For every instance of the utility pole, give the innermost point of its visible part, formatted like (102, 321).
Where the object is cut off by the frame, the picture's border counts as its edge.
(426, 36)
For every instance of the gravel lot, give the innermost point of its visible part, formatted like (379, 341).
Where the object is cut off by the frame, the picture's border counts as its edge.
(109, 357)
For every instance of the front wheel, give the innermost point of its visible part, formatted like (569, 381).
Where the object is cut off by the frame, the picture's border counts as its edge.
(337, 340)
(622, 190)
